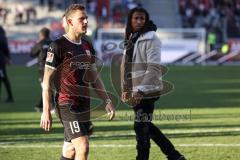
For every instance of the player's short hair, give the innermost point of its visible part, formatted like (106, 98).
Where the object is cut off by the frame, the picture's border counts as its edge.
(72, 8)
(45, 32)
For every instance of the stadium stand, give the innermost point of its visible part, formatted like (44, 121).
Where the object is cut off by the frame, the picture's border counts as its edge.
(218, 18)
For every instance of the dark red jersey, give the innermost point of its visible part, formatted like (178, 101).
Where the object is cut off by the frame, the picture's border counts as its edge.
(72, 62)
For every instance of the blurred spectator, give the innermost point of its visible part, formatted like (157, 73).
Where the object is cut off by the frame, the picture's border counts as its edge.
(40, 51)
(213, 18)
(237, 8)
(229, 19)
(211, 39)
(50, 5)
(189, 15)
(59, 4)
(20, 10)
(91, 6)
(118, 12)
(102, 10)
(182, 7)
(31, 14)
(223, 15)
(4, 59)
(41, 3)
(233, 30)
(4, 13)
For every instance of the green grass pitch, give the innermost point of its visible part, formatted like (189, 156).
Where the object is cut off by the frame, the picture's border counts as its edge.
(201, 116)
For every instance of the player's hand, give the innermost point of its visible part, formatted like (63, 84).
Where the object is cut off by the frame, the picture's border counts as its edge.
(125, 96)
(110, 110)
(46, 121)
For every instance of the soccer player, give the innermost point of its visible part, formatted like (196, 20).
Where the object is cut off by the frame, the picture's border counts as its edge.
(141, 83)
(39, 50)
(70, 66)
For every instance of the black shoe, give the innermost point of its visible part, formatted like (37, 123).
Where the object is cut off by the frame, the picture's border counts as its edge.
(9, 100)
(181, 157)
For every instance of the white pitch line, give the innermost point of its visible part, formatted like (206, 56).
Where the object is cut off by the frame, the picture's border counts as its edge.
(118, 145)
(208, 145)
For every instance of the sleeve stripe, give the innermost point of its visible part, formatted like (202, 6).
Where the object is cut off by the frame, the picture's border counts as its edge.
(47, 66)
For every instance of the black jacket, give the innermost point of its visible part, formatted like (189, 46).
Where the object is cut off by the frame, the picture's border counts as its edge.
(40, 51)
(4, 50)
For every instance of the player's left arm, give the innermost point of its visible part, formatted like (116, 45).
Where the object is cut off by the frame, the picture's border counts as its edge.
(99, 87)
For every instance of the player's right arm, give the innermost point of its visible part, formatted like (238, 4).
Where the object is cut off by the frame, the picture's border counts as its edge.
(51, 64)
(47, 92)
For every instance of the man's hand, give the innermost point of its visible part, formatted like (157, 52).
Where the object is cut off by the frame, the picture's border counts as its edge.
(46, 121)
(125, 96)
(110, 110)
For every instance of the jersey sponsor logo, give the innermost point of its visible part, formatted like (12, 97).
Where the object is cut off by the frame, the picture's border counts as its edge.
(80, 65)
(49, 57)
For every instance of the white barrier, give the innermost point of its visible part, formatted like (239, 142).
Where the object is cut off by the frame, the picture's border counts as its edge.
(176, 42)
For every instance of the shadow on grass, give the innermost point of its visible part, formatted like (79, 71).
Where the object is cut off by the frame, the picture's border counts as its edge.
(36, 130)
(122, 136)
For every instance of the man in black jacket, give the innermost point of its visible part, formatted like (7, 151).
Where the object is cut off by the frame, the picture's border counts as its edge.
(40, 51)
(4, 59)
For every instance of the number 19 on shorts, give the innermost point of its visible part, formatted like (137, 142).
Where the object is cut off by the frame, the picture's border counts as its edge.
(74, 125)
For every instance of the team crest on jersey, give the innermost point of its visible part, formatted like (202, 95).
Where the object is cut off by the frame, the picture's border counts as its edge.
(49, 57)
(88, 52)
